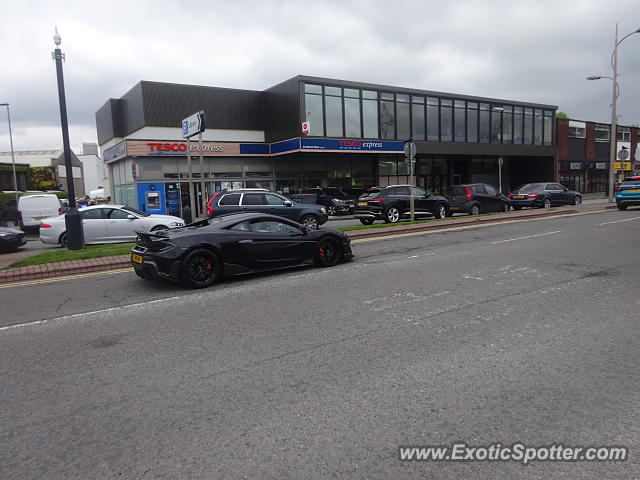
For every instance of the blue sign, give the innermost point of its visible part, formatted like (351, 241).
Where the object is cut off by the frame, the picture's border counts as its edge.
(352, 145)
(285, 146)
(254, 148)
(185, 127)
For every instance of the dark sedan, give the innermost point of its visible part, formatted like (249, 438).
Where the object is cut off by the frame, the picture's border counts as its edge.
(543, 195)
(11, 239)
(203, 252)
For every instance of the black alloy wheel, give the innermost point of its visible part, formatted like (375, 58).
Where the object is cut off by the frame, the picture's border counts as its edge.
(201, 268)
(329, 252)
(64, 240)
(310, 221)
(366, 221)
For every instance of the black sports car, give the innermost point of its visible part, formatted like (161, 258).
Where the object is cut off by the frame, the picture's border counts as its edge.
(202, 252)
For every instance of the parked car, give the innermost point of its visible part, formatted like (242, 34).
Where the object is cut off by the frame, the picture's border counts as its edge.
(543, 195)
(11, 239)
(628, 193)
(391, 204)
(332, 198)
(475, 198)
(201, 253)
(34, 208)
(107, 224)
(263, 201)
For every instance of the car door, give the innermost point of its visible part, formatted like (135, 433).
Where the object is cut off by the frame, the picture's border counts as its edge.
(401, 196)
(566, 194)
(254, 202)
(422, 205)
(121, 226)
(274, 244)
(493, 199)
(94, 225)
(555, 192)
(281, 206)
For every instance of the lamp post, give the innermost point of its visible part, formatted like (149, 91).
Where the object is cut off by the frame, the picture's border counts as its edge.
(72, 219)
(614, 116)
(13, 158)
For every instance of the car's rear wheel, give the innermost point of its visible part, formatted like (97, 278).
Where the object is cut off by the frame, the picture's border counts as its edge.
(64, 240)
(546, 203)
(577, 200)
(441, 211)
(200, 269)
(474, 210)
(505, 207)
(366, 221)
(392, 215)
(310, 221)
(622, 207)
(159, 227)
(329, 252)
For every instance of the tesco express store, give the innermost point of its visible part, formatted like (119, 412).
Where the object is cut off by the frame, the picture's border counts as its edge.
(357, 131)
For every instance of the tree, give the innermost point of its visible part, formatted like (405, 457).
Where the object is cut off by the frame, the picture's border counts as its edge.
(561, 115)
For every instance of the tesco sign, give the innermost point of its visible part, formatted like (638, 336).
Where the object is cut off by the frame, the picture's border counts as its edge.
(167, 147)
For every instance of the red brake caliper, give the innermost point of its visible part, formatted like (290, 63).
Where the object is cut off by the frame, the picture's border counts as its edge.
(322, 252)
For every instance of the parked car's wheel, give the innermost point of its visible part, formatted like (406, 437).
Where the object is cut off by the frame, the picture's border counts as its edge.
(622, 207)
(331, 210)
(441, 211)
(64, 240)
(546, 203)
(328, 253)
(159, 227)
(505, 207)
(201, 268)
(577, 200)
(311, 221)
(366, 221)
(474, 210)
(517, 207)
(392, 215)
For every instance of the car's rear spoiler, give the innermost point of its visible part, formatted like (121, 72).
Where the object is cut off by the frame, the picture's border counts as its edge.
(148, 236)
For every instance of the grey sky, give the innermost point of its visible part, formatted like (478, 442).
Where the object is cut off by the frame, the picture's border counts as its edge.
(538, 51)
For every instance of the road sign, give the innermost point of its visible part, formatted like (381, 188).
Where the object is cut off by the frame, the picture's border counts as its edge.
(627, 165)
(410, 149)
(193, 125)
(306, 127)
(500, 161)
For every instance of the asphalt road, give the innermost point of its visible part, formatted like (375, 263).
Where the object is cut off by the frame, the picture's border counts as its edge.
(524, 332)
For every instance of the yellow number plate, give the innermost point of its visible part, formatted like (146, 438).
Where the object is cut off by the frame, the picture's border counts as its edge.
(136, 258)
(519, 196)
(362, 204)
(634, 190)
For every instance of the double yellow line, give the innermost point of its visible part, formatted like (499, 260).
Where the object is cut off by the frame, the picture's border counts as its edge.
(66, 277)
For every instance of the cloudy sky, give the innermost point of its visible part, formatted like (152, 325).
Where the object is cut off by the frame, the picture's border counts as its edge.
(538, 51)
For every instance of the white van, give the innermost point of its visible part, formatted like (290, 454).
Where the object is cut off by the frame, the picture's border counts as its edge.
(34, 208)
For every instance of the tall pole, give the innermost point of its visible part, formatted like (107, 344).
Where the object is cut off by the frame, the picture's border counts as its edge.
(192, 200)
(614, 120)
(13, 158)
(73, 220)
(203, 199)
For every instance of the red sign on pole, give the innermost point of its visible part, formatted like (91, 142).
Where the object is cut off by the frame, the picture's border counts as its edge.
(306, 126)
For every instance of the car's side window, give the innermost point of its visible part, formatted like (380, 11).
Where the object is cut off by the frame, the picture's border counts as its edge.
(390, 191)
(557, 186)
(116, 214)
(253, 199)
(270, 226)
(230, 199)
(241, 227)
(418, 192)
(479, 189)
(552, 187)
(402, 191)
(274, 199)
(490, 190)
(93, 214)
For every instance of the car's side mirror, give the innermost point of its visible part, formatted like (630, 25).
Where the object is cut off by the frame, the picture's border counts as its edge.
(131, 217)
(287, 203)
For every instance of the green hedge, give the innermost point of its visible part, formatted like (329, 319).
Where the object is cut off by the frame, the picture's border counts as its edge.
(8, 196)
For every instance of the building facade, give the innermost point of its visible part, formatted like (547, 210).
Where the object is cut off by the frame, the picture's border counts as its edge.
(584, 152)
(354, 139)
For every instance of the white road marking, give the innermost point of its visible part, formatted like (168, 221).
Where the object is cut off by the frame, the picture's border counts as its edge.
(618, 221)
(423, 255)
(523, 238)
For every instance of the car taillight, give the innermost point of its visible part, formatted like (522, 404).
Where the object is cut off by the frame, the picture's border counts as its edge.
(45, 225)
(510, 196)
(376, 200)
(618, 189)
(60, 211)
(532, 195)
(210, 203)
(468, 193)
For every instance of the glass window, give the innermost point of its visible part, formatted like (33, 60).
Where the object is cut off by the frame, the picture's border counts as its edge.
(507, 126)
(230, 199)
(459, 127)
(241, 227)
(313, 104)
(418, 192)
(386, 96)
(387, 119)
(485, 131)
(517, 125)
(351, 93)
(117, 214)
(333, 109)
(93, 214)
(433, 121)
(548, 130)
(537, 127)
(446, 120)
(271, 226)
(352, 117)
(478, 189)
(370, 94)
(417, 118)
(387, 167)
(602, 133)
(370, 116)
(528, 126)
(623, 134)
(402, 191)
(333, 91)
(273, 199)
(496, 124)
(402, 116)
(490, 190)
(310, 88)
(258, 167)
(472, 122)
(253, 199)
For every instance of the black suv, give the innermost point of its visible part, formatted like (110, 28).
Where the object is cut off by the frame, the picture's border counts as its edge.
(391, 204)
(335, 200)
(263, 201)
(474, 198)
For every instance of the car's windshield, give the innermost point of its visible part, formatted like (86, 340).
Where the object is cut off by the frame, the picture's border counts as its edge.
(135, 211)
(631, 182)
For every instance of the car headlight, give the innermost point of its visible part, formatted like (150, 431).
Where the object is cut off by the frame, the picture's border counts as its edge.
(323, 210)
(176, 224)
(4, 234)
(337, 200)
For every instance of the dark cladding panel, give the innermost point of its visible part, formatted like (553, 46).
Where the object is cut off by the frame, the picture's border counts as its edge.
(167, 104)
(105, 122)
(577, 149)
(282, 106)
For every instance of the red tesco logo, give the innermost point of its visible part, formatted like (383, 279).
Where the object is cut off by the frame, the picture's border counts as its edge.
(167, 147)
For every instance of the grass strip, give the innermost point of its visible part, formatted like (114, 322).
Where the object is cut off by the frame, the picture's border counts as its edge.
(63, 255)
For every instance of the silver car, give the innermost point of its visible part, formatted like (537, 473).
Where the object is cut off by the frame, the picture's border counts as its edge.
(107, 224)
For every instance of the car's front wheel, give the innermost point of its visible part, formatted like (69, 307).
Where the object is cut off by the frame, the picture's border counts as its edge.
(328, 253)
(392, 215)
(310, 221)
(366, 221)
(577, 200)
(441, 211)
(622, 207)
(200, 269)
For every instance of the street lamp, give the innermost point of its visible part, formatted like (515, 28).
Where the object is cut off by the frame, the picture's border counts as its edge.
(614, 117)
(13, 158)
(72, 219)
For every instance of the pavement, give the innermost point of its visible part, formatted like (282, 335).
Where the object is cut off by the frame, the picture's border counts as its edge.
(515, 332)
